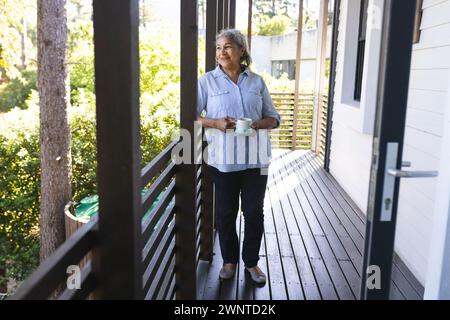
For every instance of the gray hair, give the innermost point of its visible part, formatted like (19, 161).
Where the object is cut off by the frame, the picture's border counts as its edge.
(238, 38)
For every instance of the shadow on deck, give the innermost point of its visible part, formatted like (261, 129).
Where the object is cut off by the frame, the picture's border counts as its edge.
(313, 242)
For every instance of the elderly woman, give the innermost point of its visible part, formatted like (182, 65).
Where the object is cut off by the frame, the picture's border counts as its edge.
(230, 92)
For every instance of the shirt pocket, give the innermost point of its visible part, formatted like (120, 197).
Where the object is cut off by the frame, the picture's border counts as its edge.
(254, 100)
(218, 102)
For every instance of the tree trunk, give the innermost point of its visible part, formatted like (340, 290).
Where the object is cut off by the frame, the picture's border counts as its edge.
(53, 85)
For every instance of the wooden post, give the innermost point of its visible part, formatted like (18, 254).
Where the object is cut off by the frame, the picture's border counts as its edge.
(116, 25)
(320, 73)
(207, 220)
(232, 24)
(226, 14)
(185, 218)
(249, 25)
(220, 18)
(211, 30)
(297, 73)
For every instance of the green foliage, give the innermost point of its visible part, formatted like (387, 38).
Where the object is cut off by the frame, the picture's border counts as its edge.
(19, 144)
(15, 92)
(274, 26)
(15, 15)
(19, 192)
(83, 144)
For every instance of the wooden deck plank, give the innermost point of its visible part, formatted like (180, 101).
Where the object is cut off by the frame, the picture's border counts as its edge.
(263, 292)
(245, 288)
(202, 277)
(296, 246)
(293, 282)
(403, 284)
(339, 214)
(418, 288)
(400, 284)
(212, 288)
(329, 254)
(301, 209)
(356, 256)
(277, 282)
(228, 289)
(320, 215)
(354, 217)
(313, 240)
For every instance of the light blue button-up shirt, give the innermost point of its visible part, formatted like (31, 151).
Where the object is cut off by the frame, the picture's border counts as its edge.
(219, 97)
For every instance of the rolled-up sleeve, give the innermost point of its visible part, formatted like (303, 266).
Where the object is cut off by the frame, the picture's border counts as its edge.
(268, 108)
(202, 97)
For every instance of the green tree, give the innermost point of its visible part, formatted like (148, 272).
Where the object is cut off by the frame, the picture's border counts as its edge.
(277, 25)
(15, 42)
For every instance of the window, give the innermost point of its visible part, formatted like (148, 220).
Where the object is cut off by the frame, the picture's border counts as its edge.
(361, 48)
(283, 66)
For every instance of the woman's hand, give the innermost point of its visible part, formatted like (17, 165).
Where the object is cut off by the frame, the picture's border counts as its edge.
(225, 123)
(255, 125)
(264, 123)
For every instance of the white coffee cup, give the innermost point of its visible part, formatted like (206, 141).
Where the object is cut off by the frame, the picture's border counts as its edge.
(243, 124)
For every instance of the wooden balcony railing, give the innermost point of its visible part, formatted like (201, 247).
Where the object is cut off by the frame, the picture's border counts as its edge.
(158, 227)
(322, 128)
(49, 280)
(284, 136)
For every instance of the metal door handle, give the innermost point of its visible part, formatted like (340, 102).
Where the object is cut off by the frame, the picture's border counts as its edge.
(412, 174)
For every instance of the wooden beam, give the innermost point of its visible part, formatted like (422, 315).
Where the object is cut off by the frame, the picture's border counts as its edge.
(116, 25)
(298, 59)
(185, 176)
(232, 23)
(220, 17)
(207, 206)
(211, 30)
(226, 14)
(320, 73)
(249, 25)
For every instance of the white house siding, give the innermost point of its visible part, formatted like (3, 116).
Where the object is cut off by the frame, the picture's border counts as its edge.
(430, 71)
(350, 149)
(352, 141)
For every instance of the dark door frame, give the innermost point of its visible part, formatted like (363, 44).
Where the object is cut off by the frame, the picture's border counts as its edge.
(392, 97)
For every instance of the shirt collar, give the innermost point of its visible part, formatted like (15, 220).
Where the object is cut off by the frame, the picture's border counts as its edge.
(218, 72)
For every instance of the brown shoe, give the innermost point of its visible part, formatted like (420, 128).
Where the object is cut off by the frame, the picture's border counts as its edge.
(228, 270)
(257, 275)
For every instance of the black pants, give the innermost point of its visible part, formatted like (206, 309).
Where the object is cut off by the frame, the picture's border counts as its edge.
(251, 186)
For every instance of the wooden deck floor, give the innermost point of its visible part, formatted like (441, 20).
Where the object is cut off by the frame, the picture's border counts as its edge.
(313, 242)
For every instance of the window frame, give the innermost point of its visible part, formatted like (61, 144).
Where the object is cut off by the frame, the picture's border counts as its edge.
(362, 33)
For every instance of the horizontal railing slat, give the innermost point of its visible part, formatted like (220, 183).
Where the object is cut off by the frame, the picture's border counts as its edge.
(167, 280)
(52, 272)
(88, 283)
(160, 276)
(150, 222)
(155, 262)
(157, 187)
(157, 164)
(155, 240)
(172, 290)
